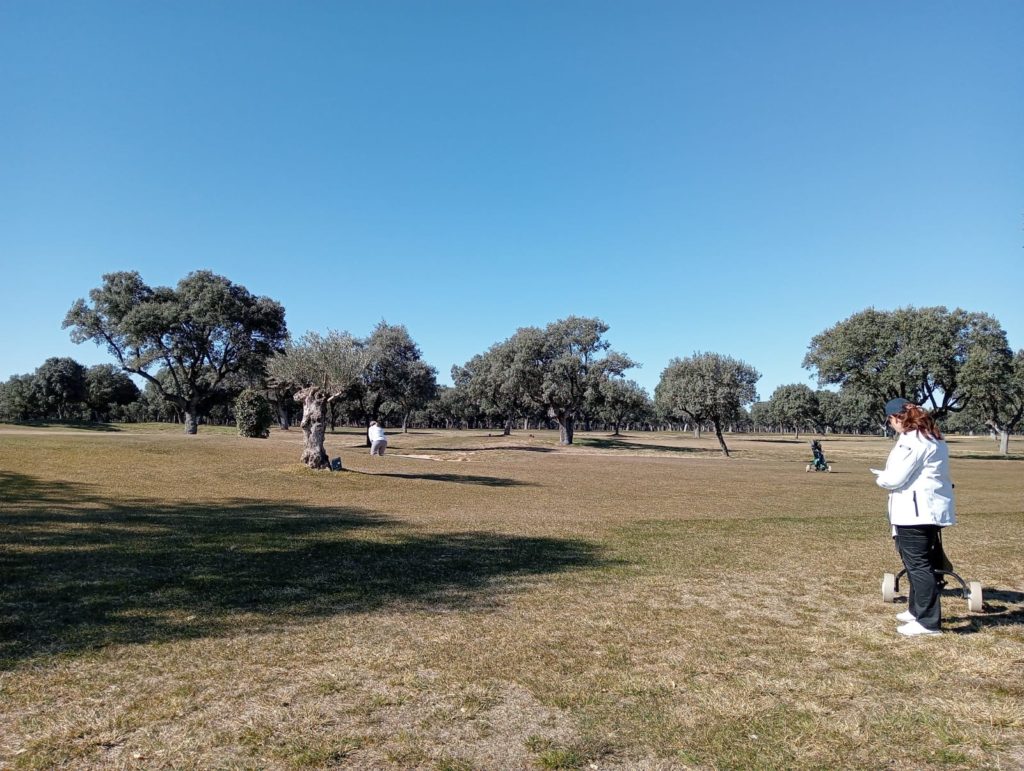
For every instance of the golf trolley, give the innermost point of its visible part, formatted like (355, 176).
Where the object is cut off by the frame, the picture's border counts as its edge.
(818, 463)
(943, 568)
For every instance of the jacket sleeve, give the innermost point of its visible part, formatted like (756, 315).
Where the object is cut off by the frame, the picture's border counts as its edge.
(901, 467)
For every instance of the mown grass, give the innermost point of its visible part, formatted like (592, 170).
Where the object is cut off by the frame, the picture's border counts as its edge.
(474, 601)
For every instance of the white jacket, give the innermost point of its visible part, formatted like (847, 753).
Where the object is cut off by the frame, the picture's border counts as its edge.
(917, 477)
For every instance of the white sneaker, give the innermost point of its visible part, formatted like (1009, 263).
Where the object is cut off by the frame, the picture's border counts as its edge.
(906, 616)
(912, 629)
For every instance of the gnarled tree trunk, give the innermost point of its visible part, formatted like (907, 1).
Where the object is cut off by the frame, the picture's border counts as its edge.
(314, 426)
(565, 421)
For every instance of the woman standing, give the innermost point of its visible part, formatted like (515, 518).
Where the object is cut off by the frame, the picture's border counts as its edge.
(920, 504)
(378, 439)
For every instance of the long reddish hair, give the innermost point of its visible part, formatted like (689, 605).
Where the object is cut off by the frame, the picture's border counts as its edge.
(913, 418)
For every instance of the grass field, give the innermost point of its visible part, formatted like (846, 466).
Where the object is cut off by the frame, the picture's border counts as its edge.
(472, 601)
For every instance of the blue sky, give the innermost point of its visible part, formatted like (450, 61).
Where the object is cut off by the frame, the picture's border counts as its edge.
(731, 176)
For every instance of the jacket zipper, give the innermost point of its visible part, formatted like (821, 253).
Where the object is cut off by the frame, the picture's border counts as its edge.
(916, 512)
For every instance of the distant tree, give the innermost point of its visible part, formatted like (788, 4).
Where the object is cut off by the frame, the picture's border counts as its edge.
(107, 388)
(707, 387)
(997, 388)
(794, 406)
(496, 382)
(253, 414)
(916, 353)
(570, 359)
(157, 408)
(622, 401)
(415, 390)
(451, 408)
(21, 399)
(61, 383)
(280, 393)
(859, 411)
(390, 363)
(829, 416)
(970, 420)
(761, 415)
(204, 333)
(325, 368)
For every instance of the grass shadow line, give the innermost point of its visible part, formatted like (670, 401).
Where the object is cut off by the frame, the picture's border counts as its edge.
(80, 572)
(621, 444)
(464, 479)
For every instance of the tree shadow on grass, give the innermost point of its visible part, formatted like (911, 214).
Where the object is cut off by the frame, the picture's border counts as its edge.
(102, 427)
(1002, 607)
(981, 456)
(781, 441)
(464, 479)
(510, 447)
(621, 444)
(79, 572)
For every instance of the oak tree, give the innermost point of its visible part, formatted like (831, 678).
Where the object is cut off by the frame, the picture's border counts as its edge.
(206, 333)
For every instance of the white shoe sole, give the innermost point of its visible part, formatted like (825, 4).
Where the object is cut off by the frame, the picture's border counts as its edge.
(918, 632)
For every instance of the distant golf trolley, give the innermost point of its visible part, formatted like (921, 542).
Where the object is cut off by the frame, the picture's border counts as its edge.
(969, 590)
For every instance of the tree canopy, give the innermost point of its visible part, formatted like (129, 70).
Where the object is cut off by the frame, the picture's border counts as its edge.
(916, 353)
(707, 387)
(207, 333)
(997, 386)
(620, 400)
(795, 406)
(574, 360)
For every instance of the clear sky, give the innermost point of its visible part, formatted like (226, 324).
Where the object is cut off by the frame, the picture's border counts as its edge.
(704, 176)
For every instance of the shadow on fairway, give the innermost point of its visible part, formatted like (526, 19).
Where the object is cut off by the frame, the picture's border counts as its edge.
(781, 441)
(470, 448)
(463, 479)
(79, 572)
(980, 456)
(622, 444)
(103, 427)
(1003, 607)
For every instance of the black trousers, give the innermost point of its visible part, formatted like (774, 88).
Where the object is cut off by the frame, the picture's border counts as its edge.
(920, 549)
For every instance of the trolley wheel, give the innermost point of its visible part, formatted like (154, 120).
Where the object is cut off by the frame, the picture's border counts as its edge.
(974, 601)
(828, 469)
(808, 466)
(888, 587)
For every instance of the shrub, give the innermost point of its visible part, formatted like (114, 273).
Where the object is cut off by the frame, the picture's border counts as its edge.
(253, 414)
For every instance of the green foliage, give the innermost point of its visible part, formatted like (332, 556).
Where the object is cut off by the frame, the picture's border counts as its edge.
(363, 378)
(559, 369)
(619, 401)
(253, 414)
(498, 381)
(997, 386)
(106, 389)
(794, 407)
(707, 387)
(61, 384)
(921, 354)
(62, 389)
(332, 362)
(20, 399)
(392, 372)
(207, 333)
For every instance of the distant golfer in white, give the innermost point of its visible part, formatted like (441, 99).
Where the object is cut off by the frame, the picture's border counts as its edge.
(378, 441)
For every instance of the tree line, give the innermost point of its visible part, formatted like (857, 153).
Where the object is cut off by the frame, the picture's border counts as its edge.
(208, 350)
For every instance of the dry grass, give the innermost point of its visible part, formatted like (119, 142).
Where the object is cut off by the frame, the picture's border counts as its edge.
(490, 602)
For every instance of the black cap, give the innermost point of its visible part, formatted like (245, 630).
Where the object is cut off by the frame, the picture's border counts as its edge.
(895, 406)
